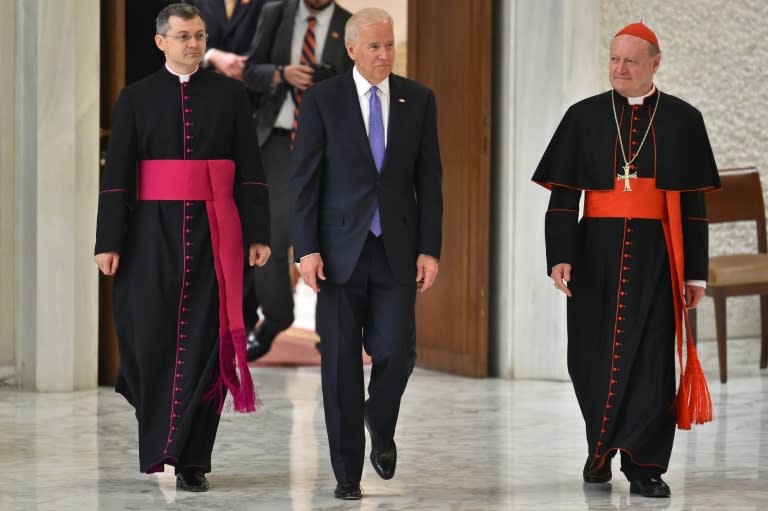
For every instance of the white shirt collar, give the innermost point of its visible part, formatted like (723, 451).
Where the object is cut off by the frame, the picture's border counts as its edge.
(323, 17)
(639, 100)
(182, 78)
(363, 86)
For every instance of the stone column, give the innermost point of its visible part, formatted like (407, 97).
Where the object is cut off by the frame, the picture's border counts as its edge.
(56, 187)
(547, 60)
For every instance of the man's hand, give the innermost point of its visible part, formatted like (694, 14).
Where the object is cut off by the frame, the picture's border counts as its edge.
(107, 262)
(693, 295)
(311, 269)
(228, 64)
(561, 274)
(299, 76)
(426, 272)
(258, 254)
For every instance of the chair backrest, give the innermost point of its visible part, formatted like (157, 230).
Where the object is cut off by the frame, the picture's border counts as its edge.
(741, 198)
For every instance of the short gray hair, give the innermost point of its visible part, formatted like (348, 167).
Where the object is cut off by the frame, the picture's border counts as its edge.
(183, 11)
(367, 16)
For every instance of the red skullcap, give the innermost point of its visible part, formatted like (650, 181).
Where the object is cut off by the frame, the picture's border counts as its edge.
(640, 30)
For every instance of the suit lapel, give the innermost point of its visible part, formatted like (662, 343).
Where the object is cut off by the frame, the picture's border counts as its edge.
(231, 23)
(358, 125)
(285, 32)
(334, 41)
(397, 105)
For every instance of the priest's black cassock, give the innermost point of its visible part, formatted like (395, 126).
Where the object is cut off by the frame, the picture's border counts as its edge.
(166, 294)
(621, 315)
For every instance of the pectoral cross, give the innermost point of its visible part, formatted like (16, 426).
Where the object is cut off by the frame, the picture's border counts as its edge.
(626, 176)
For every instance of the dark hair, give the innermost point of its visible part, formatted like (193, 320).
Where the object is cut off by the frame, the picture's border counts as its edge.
(183, 11)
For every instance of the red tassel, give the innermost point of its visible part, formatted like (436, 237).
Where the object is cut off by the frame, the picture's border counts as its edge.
(700, 399)
(694, 402)
(683, 412)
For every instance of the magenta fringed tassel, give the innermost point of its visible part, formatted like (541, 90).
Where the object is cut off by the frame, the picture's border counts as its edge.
(234, 376)
(245, 396)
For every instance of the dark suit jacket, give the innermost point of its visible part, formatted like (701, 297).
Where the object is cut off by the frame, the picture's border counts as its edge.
(233, 35)
(335, 184)
(272, 47)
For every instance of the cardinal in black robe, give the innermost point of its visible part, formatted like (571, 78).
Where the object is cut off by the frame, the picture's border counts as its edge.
(183, 203)
(632, 264)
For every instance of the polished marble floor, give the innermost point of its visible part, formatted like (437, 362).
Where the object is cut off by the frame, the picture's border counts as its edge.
(464, 444)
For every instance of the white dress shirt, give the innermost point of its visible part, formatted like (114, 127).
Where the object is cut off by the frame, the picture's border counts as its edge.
(363, 87)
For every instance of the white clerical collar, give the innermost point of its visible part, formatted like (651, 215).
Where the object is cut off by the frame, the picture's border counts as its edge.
(639, 100)
(182, 78)
(363, 86)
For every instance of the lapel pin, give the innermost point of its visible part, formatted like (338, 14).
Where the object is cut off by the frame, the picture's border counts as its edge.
(335, 35)
(401, 100)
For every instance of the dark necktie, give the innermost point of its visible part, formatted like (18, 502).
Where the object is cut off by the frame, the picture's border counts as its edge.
(307, 58)
(376, 141)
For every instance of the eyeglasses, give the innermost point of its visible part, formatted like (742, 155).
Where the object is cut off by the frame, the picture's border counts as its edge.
(185, 38)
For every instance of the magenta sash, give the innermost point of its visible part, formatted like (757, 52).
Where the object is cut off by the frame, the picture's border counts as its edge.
(212, 181)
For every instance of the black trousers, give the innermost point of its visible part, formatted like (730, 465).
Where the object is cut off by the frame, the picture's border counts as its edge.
(374, 311)
(270, 285)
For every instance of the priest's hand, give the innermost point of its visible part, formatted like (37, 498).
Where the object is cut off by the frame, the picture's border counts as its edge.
(561, 274)
(107, 262)
(426, 272)
(311, 269)
(258, 254)
(693, 295)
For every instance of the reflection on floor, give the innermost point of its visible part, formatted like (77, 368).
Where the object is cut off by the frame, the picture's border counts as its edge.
(464, 444)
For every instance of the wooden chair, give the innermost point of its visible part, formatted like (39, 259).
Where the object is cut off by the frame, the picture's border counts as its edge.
(741, 198)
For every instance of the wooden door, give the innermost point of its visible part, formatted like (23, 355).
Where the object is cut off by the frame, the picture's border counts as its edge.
(112, 81)
(450, 50)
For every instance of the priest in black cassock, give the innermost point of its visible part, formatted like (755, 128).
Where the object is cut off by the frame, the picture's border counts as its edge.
(634, 263)
(182, 194)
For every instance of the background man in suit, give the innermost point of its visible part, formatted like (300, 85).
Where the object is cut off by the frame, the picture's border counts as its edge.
(231, 25)
(291, 37)
(368, 229)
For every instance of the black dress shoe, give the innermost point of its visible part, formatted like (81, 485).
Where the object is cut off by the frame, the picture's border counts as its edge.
(651, 487)
(601, 475)
(348, 491)
(383, 454)
(191, 480)
(257, 345)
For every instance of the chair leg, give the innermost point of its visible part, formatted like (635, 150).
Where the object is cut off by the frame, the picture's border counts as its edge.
(763, 331)
(721, 330)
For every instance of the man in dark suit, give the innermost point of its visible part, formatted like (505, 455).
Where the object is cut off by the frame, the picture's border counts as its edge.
(368, 229)
(297, 43)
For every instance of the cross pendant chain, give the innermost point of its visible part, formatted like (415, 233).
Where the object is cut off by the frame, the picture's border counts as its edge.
(626, 176)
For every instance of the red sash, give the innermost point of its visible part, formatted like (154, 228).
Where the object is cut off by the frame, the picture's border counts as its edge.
(212, 181)
(693, 401)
